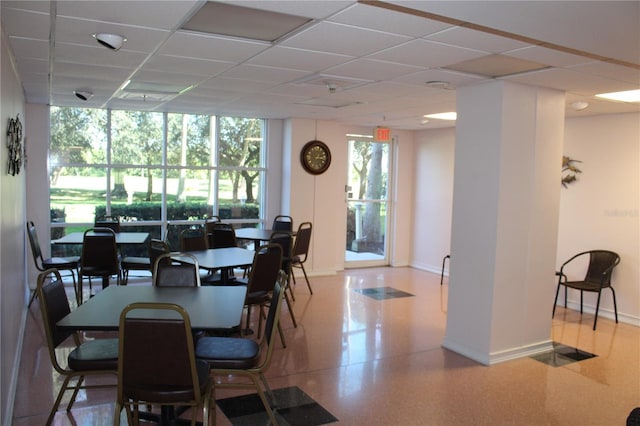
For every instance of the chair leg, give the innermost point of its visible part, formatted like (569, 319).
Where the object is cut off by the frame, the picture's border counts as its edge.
(595, 319)
(263, 398)
(61, 392)
(306, 277)
(76, 389)
(442, 273)
(555, 302)
(581, 294)
(284, 344)
(615, 305)
(34, 295)
(293, 317)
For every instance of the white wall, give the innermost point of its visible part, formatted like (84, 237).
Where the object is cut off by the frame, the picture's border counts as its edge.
(434, 159)
(13, 291)
(599, 210)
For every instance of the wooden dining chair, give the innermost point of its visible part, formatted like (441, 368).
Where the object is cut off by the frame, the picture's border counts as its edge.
(193, 239)
(69, 264)
(282, 223)
(174, 378)
(301, 251)
(88, 358)
(285, 240)
(230, 357)
(169, 271)
(99, 258)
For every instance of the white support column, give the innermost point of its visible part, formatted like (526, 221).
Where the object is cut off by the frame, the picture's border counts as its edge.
(505, 220)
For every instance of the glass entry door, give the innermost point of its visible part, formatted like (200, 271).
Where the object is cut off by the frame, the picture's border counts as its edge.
(367, 203)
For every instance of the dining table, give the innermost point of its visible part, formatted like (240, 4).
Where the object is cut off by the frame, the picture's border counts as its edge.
(257, 235)
(215, 308)
(223, 259)
(122, 238)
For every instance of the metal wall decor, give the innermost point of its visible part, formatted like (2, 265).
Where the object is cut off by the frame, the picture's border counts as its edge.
(14, 145)
(569, 170)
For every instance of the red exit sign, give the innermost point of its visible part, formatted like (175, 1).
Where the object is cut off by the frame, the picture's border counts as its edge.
(382, 134)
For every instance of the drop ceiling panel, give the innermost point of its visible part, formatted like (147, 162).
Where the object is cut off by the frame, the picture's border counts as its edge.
(548, 56)
(426, 54)
(300, 59)
(38, 66)
(455, 79)
(149, 14)
(373, 70)
(615, 72)
(579, 83)
(310, 9)
(30, 48)
(555, 22)
(198, 46)
(471, 39)
(97, 55)
(20, 23)
(264, 74)
(174, 64)
(330, 37)
(35, 6)
(364, 16)
(176, 80)
(100, 73)
(237, 86)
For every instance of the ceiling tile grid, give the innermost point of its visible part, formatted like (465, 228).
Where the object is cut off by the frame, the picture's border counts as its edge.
(359, 62)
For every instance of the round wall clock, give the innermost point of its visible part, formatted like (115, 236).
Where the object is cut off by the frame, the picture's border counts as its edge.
(315, 157)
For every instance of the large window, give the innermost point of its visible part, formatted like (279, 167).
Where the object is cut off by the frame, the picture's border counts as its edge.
(158, 171)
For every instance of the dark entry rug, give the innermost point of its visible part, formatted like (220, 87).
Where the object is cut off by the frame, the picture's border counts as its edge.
(562, 355)
(294, 407)
(383, 293)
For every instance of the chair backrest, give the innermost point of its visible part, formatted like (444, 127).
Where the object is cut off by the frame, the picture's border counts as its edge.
(222, 235)
(54, 306)
(165, 338)
(99, 249)
(282, 223)
(35, 245)
(284, 240)
(193, 239)
(303, 240)
(156, 248)
(601, 264)
(168, 271)
(111, 222)
(273, 316)
(267, 262)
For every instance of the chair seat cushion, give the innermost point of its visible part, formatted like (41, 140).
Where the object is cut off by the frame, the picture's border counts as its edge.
(61, 262)
(228, 352)
(134, 262)
(258, 298)
(170, 393)
(99, 354)
(96, 271)
(584, 285)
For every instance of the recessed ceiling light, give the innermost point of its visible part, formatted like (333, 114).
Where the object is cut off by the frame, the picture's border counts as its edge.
(443, 116)
(110, 41)
(84, 95)
(438, 84)
(579, 105)
(626, 96)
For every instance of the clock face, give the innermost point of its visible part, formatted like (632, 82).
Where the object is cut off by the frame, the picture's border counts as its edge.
(315, 157)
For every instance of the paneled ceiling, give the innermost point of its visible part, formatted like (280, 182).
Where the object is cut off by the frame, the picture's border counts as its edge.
(365, 63)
